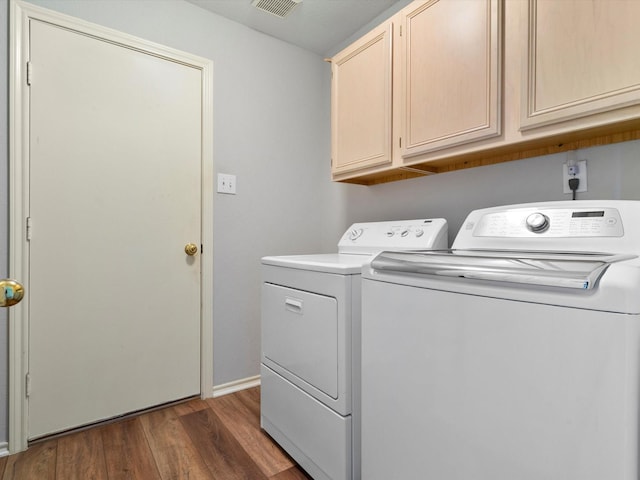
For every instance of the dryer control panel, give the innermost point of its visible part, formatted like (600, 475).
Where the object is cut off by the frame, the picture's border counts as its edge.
(372, 237)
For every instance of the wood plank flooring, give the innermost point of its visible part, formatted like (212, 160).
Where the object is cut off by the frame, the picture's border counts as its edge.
(214, 439)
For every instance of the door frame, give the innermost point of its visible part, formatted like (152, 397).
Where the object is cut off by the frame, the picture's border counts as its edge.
(20, 13)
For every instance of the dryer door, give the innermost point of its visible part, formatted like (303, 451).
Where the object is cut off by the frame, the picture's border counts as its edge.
(300, 334)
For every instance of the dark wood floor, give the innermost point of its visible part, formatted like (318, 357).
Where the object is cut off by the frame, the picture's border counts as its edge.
(219, 439)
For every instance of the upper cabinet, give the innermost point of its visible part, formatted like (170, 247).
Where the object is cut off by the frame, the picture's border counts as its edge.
(450, 84)
(361, 103)
(450, 72)
(581, 59)
(426, 80)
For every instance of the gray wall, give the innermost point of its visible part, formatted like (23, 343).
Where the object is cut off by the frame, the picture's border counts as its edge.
(272, 129)
(613, 173)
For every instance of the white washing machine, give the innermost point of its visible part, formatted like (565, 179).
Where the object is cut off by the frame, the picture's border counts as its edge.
(513, 356)
(310, 344)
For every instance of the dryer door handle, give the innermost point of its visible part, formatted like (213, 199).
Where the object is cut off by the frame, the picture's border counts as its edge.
(293, 305)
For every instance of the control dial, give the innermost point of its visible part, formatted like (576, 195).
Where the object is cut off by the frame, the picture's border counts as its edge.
(537, 222)
(355, 234)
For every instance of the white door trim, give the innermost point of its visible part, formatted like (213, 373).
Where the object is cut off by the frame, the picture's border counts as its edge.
(20, 14)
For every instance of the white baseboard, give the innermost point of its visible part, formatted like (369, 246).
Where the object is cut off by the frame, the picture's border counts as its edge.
(4, 449)
(236, 386)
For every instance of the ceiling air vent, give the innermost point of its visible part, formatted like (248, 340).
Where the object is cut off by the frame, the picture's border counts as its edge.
(279, 8)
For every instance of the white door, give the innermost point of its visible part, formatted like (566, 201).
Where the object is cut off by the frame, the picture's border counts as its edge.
(115, 167)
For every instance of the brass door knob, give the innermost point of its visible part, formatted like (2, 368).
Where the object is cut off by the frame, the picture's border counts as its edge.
(11, 292)
(191, 249)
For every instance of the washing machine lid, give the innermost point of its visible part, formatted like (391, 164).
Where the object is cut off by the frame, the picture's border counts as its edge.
(578, 270)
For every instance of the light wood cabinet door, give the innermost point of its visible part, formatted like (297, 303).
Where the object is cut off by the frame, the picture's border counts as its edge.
(361, 103)
(582, 58)
(451, 71)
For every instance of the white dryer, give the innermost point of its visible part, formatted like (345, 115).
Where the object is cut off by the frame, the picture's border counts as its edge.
(515, 355)
(310, 344)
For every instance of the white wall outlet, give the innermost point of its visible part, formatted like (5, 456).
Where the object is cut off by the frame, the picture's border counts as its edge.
(226, 183)
(581, 175)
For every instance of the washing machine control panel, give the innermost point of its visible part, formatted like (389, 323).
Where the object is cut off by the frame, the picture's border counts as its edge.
(550, 222)
(372, 237)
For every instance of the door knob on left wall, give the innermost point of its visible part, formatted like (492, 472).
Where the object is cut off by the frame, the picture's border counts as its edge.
(11, 292)
(191, 249)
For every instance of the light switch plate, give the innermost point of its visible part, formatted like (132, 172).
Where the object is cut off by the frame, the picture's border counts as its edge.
(226, 183)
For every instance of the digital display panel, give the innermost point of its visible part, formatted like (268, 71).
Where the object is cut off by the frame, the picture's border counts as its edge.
(599, 213)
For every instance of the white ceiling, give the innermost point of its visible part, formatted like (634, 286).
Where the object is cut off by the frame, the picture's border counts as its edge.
(316, 25)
